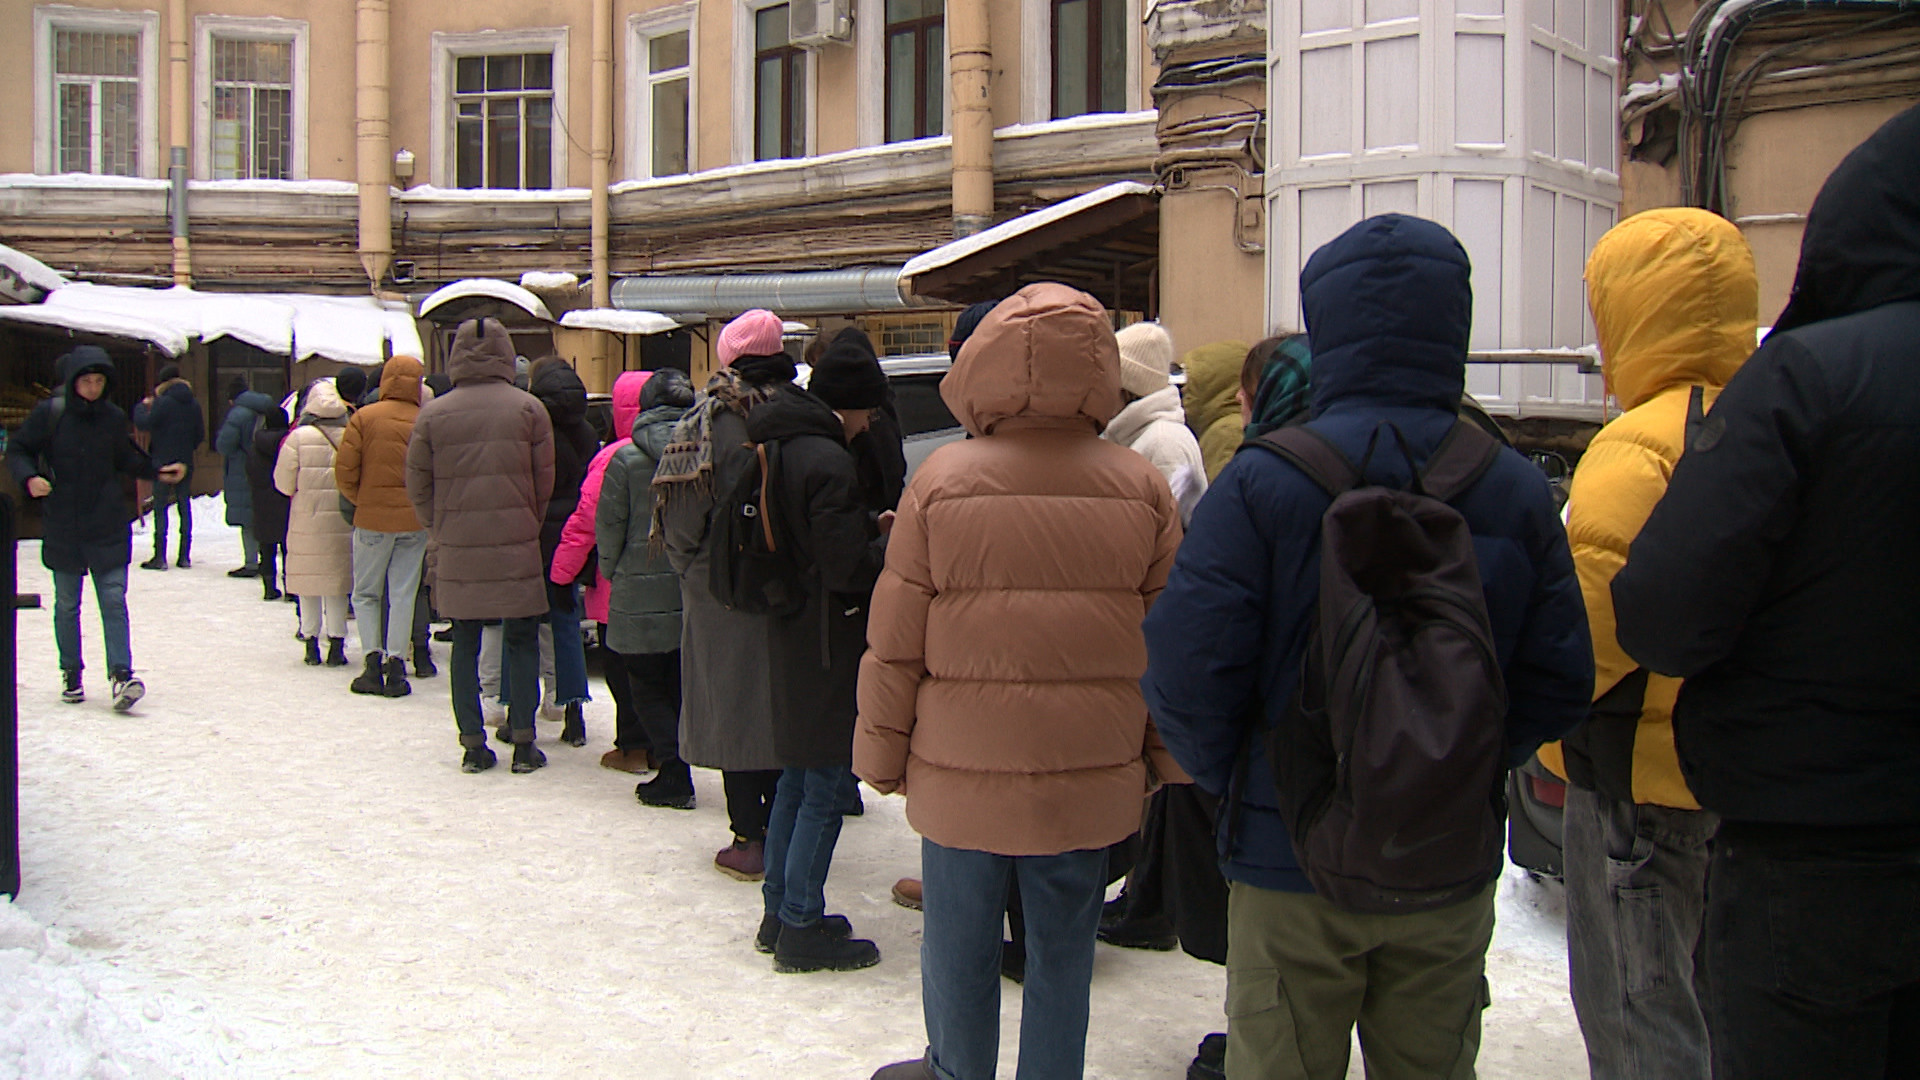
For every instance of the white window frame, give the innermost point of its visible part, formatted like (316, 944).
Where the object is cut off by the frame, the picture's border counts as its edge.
(448, 47)
(744, 119)
(47, 18)
(641, 29)
(1036, 60)
(237, 28)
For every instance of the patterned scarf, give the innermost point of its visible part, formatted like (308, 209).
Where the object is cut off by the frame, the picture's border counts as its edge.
(1281, 396)
(686, 465)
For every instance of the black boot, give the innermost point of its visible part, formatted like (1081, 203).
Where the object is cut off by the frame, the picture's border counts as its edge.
(816, 948)
(575, 731)
(671, 788)
(369, 681)
(477, 759)
(158, 562)
(396, 679)
(271, 592)
(527, 757)
(336, 652)
(313, 652)
(768, 935)
(423, 660)
(183, 562)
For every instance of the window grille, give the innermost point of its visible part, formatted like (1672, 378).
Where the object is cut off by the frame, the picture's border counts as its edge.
(96, 79)
(503, 123)
(252, 109)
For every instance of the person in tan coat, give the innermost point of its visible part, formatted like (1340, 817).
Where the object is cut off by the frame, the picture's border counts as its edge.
(319, 556)
(389, 546)
(1001, 692)
(479, 474)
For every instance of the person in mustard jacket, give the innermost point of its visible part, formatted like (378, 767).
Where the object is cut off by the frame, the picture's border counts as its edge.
(1212, 402)
(1675, 301)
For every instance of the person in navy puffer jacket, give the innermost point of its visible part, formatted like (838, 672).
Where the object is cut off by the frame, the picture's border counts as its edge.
(1388, 307)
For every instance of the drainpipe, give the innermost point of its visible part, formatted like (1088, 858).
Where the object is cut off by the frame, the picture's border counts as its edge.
(970, 63)
(602, 146)
(180, 125)
(374, 136)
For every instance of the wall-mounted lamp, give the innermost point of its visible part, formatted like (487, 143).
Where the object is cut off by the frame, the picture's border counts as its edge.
(403, 166)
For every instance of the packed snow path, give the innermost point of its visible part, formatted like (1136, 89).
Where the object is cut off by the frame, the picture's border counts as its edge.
(257, 873)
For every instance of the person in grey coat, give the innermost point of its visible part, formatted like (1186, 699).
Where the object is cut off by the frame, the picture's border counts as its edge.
(643, 603)
(232, 441)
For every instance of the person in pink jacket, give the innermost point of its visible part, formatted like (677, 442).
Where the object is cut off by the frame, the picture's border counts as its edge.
(631, 751)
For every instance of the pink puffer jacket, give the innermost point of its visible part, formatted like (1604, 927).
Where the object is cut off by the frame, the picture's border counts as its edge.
(576, 538)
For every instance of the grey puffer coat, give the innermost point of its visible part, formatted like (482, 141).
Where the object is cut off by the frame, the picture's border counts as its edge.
(643, 605)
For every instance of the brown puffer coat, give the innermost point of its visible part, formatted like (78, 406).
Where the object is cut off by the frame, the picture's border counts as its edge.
(372, 467)
(319, 540)
(479, 473)
(1001, 685)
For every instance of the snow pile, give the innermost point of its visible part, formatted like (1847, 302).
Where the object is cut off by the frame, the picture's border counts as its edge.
(354, 329)
(549, 280)
(487, 287)
(30, 270)
(618, 321)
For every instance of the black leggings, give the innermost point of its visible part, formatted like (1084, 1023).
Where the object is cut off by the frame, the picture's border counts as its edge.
(750, 802)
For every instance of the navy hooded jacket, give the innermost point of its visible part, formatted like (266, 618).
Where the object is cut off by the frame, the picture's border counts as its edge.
(1388, 309)
(174, 421)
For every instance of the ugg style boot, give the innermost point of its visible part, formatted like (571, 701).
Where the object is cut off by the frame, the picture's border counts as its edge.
(672, 788)
(313, 652)
(394, 684)
(628, 761)
(815, 948)
(369, 681)
(336, 652)
(575, 731)
(527, 757)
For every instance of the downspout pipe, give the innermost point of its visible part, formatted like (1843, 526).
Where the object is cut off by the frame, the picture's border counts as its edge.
(970, 75)
(373, 136)
(602, 148)
(179, 134)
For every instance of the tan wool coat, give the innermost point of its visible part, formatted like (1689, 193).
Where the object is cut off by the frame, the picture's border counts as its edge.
(319, 540)
(1001, 684)
(372, 467)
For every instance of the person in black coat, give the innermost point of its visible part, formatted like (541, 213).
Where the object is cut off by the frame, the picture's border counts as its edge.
(814, 656)
(574, 443)
(74, 454)
(176, 427)
(879, 452)
(1780, 576)
(270, 508)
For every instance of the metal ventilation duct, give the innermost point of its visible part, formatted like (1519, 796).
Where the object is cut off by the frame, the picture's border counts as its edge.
(818, 292)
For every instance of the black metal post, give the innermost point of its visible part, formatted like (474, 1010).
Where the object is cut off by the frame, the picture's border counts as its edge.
(9, 706)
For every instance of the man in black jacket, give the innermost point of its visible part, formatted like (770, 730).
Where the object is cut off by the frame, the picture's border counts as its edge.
(74, 454)
(1780, 576)
(172, 417)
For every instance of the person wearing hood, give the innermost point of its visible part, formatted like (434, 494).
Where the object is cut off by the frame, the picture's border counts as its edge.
(479, 476)
(558, 387)
(270, 508)
(1153, 423)
(1212, 401)
(640, 595)
(235, 436)
(726, 711)
(389, 546)
(1000, 689)
(1778, 576)
(577, 559)
(1388, 309)
(171, 416)
(319, 539)
(73, 453)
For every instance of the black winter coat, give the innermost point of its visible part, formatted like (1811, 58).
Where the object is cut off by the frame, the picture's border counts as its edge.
(880, 458)
(175, 424)
(270, 508)
(814, 656)
(90, 458)
(574, 444)
(1780, 575)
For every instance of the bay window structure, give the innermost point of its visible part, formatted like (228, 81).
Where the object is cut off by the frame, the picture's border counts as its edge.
(251, 126)
(916, 54)
(503, 121)
(779, 88)
(1089, 56)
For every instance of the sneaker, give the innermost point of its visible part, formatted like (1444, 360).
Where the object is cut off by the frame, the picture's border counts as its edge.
(158, 562)
(244, 572)
(628, 761)
(370, 681)
(477, 759)
(126, 691)
(527, 757)
(423, 661)
(907, 893)
(815, 948)
(575, 731)
(768, 935)
(313, 652)
(71, 692)
(394, 682)
(672, 789)
(742, 860)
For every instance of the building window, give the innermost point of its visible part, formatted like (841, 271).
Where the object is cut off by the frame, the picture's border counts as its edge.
(1089, 57)
(669, 86)
(252, 126)
(96, 76)
(916, 69)
(779, 88)
(503, 121)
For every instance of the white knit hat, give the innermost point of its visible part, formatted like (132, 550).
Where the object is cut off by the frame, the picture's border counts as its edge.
(1146, 356)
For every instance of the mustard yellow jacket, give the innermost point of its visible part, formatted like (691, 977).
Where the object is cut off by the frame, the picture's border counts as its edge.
(1213, 410)
(1675, 302)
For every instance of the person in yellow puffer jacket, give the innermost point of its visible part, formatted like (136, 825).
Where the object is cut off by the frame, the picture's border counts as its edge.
(1212, 407)
(1675, 300)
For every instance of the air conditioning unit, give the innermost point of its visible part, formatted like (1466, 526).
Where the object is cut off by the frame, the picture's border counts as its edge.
(813, 23)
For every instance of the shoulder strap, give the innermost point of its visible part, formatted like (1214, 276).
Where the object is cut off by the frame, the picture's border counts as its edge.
(1459, 462)
(1696, 413)
(1311, 453)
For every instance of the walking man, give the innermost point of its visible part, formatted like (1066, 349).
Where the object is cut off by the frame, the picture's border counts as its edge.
(389, 546)
(171, 417)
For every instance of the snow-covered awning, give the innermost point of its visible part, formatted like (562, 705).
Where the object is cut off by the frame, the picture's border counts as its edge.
(618, 321)
(1102, 241)
(25, 279)
(488, 288)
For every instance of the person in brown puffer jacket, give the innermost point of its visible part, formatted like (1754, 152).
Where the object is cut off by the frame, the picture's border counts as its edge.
(479, 474)
(389, 546)
(1001, 687)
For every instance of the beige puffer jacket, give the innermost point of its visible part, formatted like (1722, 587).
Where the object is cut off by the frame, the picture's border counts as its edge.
(319, 540)
(1001, 685)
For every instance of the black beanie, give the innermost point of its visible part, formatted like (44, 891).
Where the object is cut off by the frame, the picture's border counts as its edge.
(669, 387)
(848, 376)
(350, 383)
(168, 373)
(964, 326)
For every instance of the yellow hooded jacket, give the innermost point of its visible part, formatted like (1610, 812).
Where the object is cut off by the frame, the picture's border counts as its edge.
(1675, 301)
(1213, 410)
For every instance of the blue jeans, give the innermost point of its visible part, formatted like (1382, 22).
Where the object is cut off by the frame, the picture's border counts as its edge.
(110, 591)
(569, 656)
(519, 655)
(175, 495)
(966, 896)
(801, 836)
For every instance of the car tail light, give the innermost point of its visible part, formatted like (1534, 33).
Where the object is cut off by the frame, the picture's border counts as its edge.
(1548, 792)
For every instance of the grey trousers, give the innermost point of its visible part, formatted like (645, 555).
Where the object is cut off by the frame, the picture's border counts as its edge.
(1636, 900)
(386, 564)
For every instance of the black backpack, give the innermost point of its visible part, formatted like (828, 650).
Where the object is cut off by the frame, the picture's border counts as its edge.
(753, 568)
(1390, 760)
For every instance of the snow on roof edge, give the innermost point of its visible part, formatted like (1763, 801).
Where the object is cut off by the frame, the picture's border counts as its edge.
(489, 287)
(950, 253)
(168, 339)
(31, 270)
(619, 321)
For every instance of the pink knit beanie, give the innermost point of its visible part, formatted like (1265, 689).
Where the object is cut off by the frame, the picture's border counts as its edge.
(756, 333)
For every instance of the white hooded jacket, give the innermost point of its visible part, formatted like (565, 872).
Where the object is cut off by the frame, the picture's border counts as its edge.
(1155, 427)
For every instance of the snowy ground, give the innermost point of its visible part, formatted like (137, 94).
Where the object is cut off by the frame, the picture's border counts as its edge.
(257, 873)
